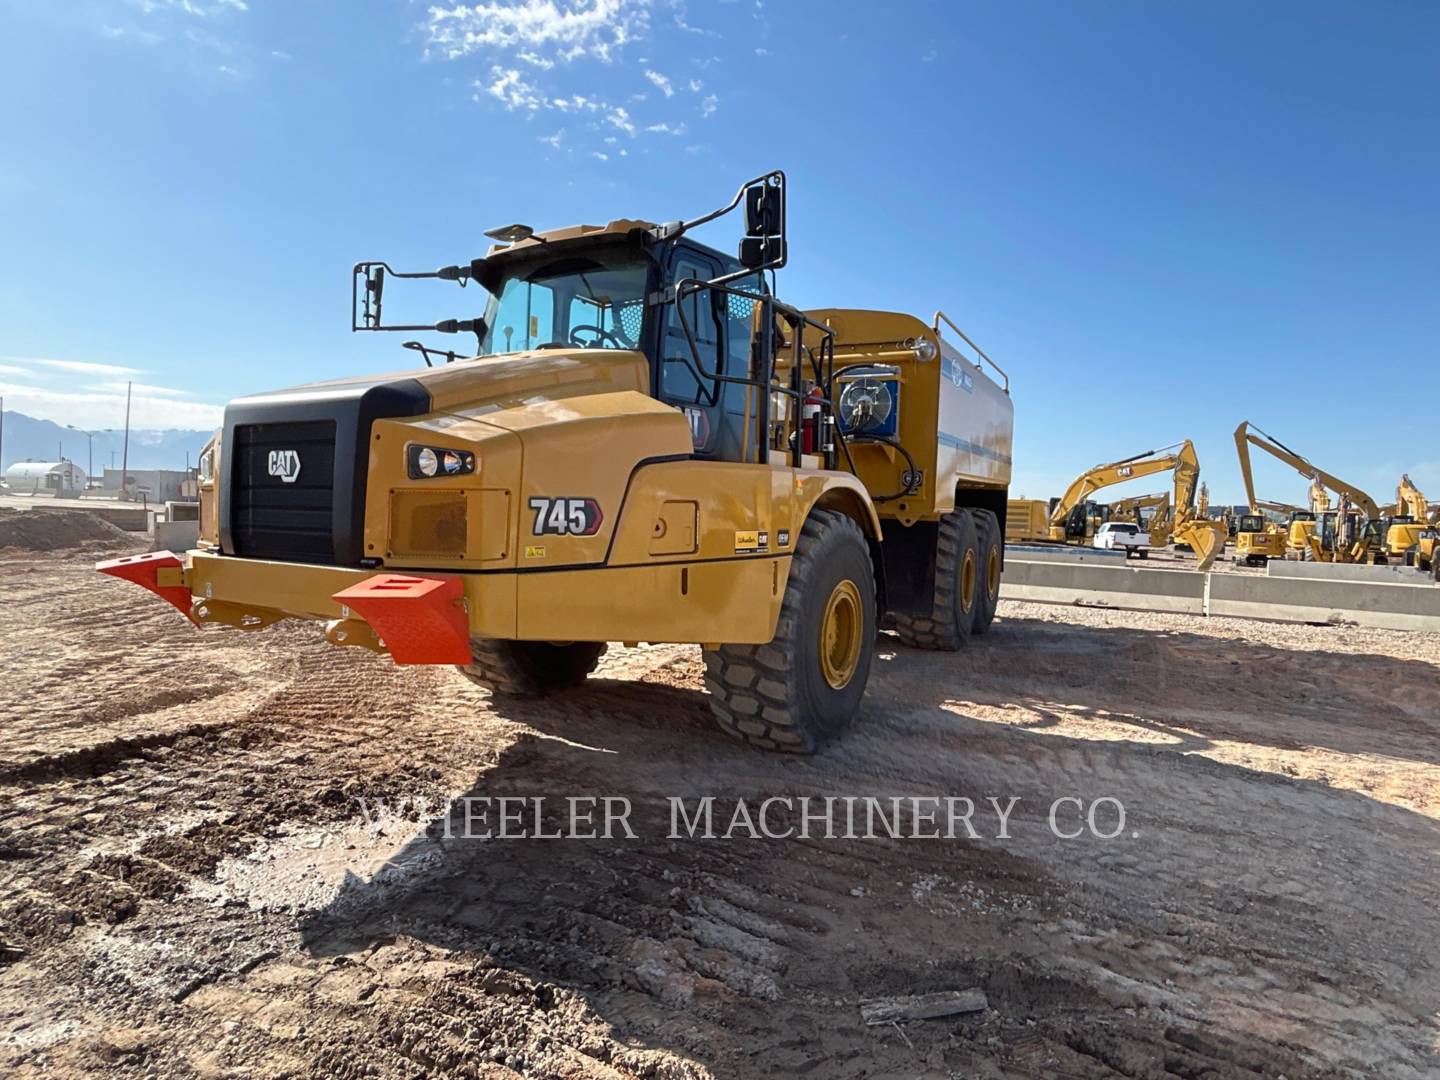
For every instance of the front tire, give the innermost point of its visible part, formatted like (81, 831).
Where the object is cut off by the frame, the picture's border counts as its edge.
(805, 685)
(530, 668)
(957, 579)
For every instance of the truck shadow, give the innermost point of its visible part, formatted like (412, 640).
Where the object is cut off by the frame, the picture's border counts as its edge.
(749, 955)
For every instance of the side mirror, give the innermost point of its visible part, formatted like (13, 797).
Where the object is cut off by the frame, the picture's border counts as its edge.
(758, 251)
(764, 243)
(765, 210)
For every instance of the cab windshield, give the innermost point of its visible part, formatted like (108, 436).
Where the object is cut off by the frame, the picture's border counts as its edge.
(590, 301)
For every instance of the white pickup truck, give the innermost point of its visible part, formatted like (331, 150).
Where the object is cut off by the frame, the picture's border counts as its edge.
(1114, 535)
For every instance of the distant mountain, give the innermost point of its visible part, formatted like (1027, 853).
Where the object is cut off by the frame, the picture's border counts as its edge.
(44, 440)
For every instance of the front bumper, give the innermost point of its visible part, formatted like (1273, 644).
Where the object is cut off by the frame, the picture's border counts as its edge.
(417, 619)
(429, 618)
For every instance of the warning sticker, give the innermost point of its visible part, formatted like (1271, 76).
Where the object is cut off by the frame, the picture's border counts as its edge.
(534, 551)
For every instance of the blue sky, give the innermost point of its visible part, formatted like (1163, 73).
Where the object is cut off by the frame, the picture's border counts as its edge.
(1161, 218)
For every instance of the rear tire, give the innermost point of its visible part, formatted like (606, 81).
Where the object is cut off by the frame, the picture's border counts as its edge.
(957, 579)
(805, 685)
(992, 562)
(530, 668)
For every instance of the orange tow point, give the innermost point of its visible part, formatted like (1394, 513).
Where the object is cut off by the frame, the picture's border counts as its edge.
(419, 618)
(145, 571)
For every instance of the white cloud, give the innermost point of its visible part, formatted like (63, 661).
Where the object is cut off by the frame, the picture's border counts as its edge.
(533, 47)
(554, 141)
(599, 156)
(762, 52)
(667, 129)
(509, 87)
(683, 24)
(696, 86)
(87, 366)
(197, 8)
(709, 104)
(595, 29)
(146, 389)
(94, 409)
(619, 118)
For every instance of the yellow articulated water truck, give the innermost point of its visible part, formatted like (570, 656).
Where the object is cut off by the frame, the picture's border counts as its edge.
(646, 444)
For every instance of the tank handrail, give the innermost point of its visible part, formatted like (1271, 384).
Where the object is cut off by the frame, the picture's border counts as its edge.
(935, 325)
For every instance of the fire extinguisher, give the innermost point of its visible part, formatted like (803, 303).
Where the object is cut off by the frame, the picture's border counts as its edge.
(810, 420)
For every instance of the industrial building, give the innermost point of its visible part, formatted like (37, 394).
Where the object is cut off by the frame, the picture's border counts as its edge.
(153, 485)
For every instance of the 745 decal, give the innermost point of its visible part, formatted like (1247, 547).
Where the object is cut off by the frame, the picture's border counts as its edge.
(566, 517)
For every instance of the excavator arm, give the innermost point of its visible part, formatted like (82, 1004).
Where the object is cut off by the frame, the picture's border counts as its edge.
(1247, 435)
(1411, 501)
(1103, 476)
(1206, 538)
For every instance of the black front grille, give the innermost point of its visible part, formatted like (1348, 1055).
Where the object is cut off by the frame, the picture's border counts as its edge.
(275, 518)
(319, 517)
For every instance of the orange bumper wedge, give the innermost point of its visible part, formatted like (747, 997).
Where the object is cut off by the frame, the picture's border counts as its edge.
(421, 620)
(161, 572)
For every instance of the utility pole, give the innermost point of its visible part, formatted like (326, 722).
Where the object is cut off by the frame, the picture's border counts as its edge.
(125, 452)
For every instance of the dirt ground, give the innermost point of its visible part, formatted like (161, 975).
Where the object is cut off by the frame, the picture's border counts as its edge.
(189, 885)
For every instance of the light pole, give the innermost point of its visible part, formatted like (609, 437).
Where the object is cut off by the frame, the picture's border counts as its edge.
(125, 452)
(89, 451)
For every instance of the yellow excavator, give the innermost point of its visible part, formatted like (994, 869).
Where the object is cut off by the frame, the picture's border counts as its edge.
(1335, 535)
(1133, 508)
(1411, 535)
(1182, 525)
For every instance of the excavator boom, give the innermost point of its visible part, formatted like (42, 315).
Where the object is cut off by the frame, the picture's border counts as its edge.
(1247, 435)
(1116, 472)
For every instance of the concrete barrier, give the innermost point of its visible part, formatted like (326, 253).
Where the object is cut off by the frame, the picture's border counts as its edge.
(1047, 581)
(1390, 573)
(1064, 554)
(1392, 605)
(182, 511)
(129, 518)
(176, 535)
(1390, 602)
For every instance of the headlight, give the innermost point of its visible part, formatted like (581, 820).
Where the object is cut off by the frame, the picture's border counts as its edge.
(924, 349)
(426, 462)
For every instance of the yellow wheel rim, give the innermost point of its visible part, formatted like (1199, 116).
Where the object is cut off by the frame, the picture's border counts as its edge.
(992, 574)
(967, 582)
(841, 632)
